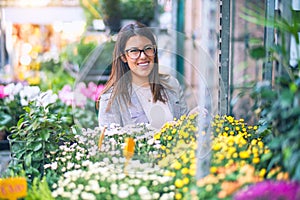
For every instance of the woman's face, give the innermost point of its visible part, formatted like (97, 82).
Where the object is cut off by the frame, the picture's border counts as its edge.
(140, 63)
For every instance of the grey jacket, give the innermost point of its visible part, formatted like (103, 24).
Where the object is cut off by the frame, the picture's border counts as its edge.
(123, 114)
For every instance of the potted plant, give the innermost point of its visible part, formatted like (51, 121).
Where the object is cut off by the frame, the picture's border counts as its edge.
(138, 10)
(110, 12)
(38, 132)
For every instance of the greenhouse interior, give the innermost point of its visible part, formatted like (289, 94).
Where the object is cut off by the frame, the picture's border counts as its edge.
(149, 99)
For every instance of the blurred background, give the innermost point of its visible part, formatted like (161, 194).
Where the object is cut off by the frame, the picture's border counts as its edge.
(48, 42)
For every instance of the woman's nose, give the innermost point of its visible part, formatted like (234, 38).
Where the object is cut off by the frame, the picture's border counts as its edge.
(143, 55)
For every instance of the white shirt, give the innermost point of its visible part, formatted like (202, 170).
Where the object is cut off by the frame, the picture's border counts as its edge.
(157, 113)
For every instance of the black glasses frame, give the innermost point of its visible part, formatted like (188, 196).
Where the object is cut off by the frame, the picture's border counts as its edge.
(141, 50)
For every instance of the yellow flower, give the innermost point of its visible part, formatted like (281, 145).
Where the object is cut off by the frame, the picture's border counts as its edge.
(262, 172)
(174, 131)
(178, 196)
(177, 165)
(244, 154)
(255, 128)
(192, 172)
(255, 160)
(226, 128)
(193, 166)
(254, 142)
(184, 170)
(235, 155)
(185, 134)
(213, 169)
(163, 147)
(182, 117)
(169, 173)
(217, 147)
(179, 183)
(186, 180)
(254, 150)
(260, 144)
(157, 136)
(185, 189)
(170, 137)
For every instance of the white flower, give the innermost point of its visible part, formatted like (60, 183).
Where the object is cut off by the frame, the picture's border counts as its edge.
(80, 187)
(46, 98)
(131, 190)
(28, 94)
(54, 194)
(155, 195)
(87, 196)
(137, 181)
(87, 188)
(150, 142)
(54, 185)
(146, 197)
(143, 190)
(66, 195)
(123, 186)
(47, 166)
(12, 89)
(54, 166)
(77, 166)
(114, 188)
(123, 194)
(70, 165)
(71, 185)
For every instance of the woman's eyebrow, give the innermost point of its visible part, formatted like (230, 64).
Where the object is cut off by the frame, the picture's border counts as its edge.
(134, 47)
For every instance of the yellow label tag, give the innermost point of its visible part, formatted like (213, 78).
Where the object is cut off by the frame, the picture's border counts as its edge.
(129, 148)
(13, 188)
(101, 138)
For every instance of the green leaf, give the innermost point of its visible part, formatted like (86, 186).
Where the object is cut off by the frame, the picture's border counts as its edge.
(275, 160)
(266, 157)
(45, 134)
(37, 146)
(28, 160)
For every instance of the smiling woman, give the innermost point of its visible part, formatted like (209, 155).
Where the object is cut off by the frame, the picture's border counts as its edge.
(135, 91)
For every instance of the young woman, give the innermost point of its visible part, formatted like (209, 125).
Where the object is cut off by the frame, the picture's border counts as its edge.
(135, 91)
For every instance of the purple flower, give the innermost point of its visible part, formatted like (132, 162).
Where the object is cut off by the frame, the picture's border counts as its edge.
(270, 190)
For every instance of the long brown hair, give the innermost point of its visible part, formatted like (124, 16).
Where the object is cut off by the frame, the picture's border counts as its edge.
(120, 77)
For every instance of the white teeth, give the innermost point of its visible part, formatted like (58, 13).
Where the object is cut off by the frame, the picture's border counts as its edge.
(143, 64)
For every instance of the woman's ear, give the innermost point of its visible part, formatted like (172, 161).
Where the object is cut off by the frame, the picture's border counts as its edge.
(123, 58)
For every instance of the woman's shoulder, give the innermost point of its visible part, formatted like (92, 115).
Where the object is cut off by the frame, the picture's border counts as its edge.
(107, 94)
(169, 81)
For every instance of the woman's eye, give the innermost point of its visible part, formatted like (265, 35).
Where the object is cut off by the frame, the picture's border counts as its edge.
(148, 48)
(133, 51)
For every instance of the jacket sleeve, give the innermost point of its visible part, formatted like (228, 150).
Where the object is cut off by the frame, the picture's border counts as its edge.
(177, 97)
(107, 117)
(182, 100)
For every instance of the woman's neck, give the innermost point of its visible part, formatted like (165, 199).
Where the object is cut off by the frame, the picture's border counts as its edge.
(141, 82)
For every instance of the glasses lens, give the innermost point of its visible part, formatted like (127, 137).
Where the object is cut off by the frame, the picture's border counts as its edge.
(133, 53)
(149, 50)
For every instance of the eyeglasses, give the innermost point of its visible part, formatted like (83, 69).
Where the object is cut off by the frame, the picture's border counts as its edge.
(135, 53)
